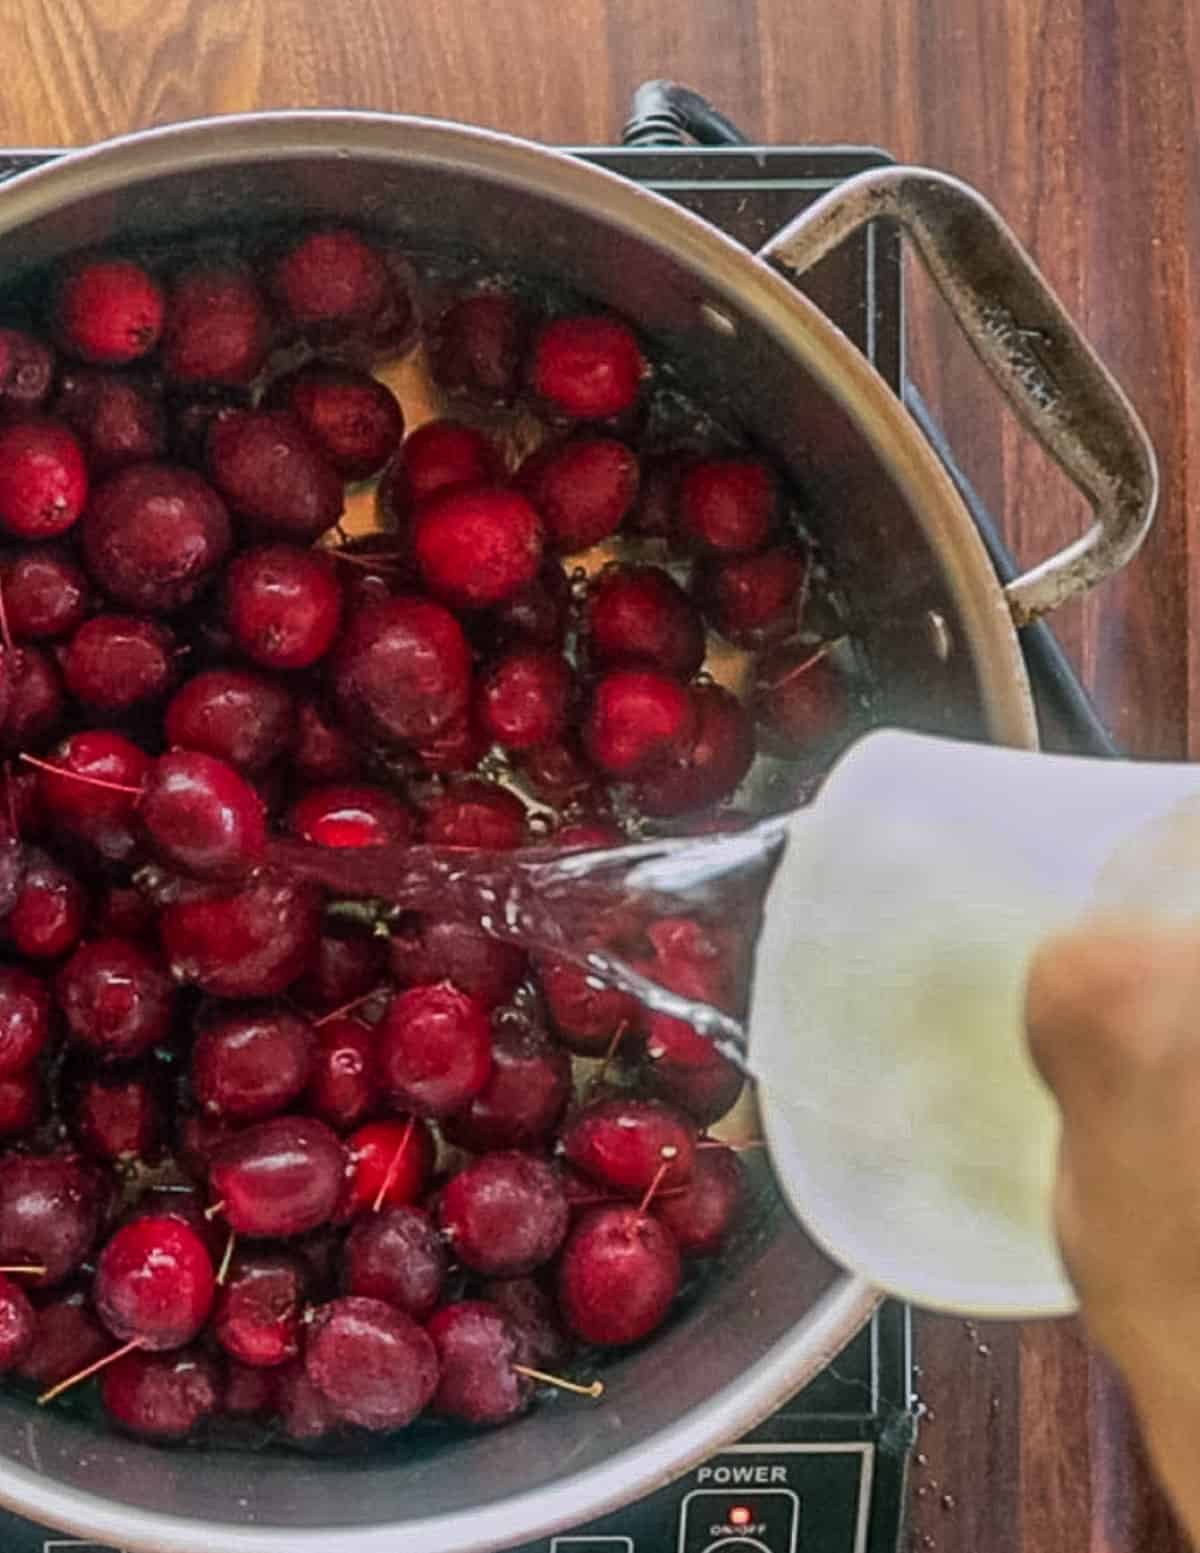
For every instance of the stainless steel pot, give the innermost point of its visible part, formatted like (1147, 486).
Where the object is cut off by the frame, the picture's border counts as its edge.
(928, 609)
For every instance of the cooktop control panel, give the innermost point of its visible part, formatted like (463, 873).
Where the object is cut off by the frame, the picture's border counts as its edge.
(786, 1497)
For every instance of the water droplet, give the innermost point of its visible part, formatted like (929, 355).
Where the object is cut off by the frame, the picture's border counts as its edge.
(922, 1491)
(948, 1502)
(922, 1459)
(984, 1349)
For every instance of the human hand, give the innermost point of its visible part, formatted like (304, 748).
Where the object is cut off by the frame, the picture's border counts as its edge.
(1113, 1016)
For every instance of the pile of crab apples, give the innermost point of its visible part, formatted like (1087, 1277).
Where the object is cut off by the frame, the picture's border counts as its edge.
(269, 1160)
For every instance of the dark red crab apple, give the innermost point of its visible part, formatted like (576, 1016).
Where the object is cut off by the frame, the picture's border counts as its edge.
(43, 478)
(25, 1009)
(119, 419)
(480, 1354)
(330, 283)
(582, 489)
(257, 1317)
(435, 1049)
(45, 592)
(637, 717)
(373, 1364)
(283, 605)
(505, 1214)
(389, 1164)
(587, 367)
(524, 698)
(639, 615)
(727, 506)
(623, 1143)
(278, 1178)
(402, 670)
(426, 949)
(267, 467)
(476, 546)
(352, 418)
(523, 1100)
(799, 697)
(51, 1207)
(154, 535)
(48, 916)
(108, 310)
(116, 998)
(341, 1087)
(154, 1283)
(251, 1061)
(702, 1214)
(619, 1272)
(438, 456)
(217, 330)
(247, 942)
(114, 663)
(479, 344)
(396, 1255)
(17, 1324)
(161, 1396)
(238, 715)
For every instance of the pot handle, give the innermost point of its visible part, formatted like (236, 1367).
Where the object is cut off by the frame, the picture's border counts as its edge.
(1035, 353)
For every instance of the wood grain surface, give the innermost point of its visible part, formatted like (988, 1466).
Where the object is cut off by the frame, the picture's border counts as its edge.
(1080, 119)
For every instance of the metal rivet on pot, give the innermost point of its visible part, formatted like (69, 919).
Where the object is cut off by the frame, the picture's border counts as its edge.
(718, 320)
(939, 636)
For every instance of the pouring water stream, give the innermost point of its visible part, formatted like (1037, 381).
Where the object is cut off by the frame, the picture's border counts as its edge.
(902, 1115)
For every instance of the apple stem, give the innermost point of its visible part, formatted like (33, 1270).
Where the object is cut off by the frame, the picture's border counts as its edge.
(85, 1374)
(5, 633)
(78, 776)
(610, 1051)
(602, 1200)
(390, 1177)
(594, 1388)
(654, 1185)
(10, 801)
(803, 666)
(211, 1213)
(227, 1257)
(736, 1148)
(24, 1267)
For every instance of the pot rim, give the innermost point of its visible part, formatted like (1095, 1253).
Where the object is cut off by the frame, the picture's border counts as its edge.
(727, 270)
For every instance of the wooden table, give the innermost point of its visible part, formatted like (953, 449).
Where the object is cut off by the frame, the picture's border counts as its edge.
(1080, 119)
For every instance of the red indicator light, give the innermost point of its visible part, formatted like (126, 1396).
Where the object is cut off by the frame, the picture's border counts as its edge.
(740, 1515)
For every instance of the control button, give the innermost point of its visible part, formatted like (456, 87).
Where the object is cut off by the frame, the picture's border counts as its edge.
(723, 1520)
(592, 1545)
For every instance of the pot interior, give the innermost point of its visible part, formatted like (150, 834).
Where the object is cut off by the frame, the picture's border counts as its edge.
(930, 626)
